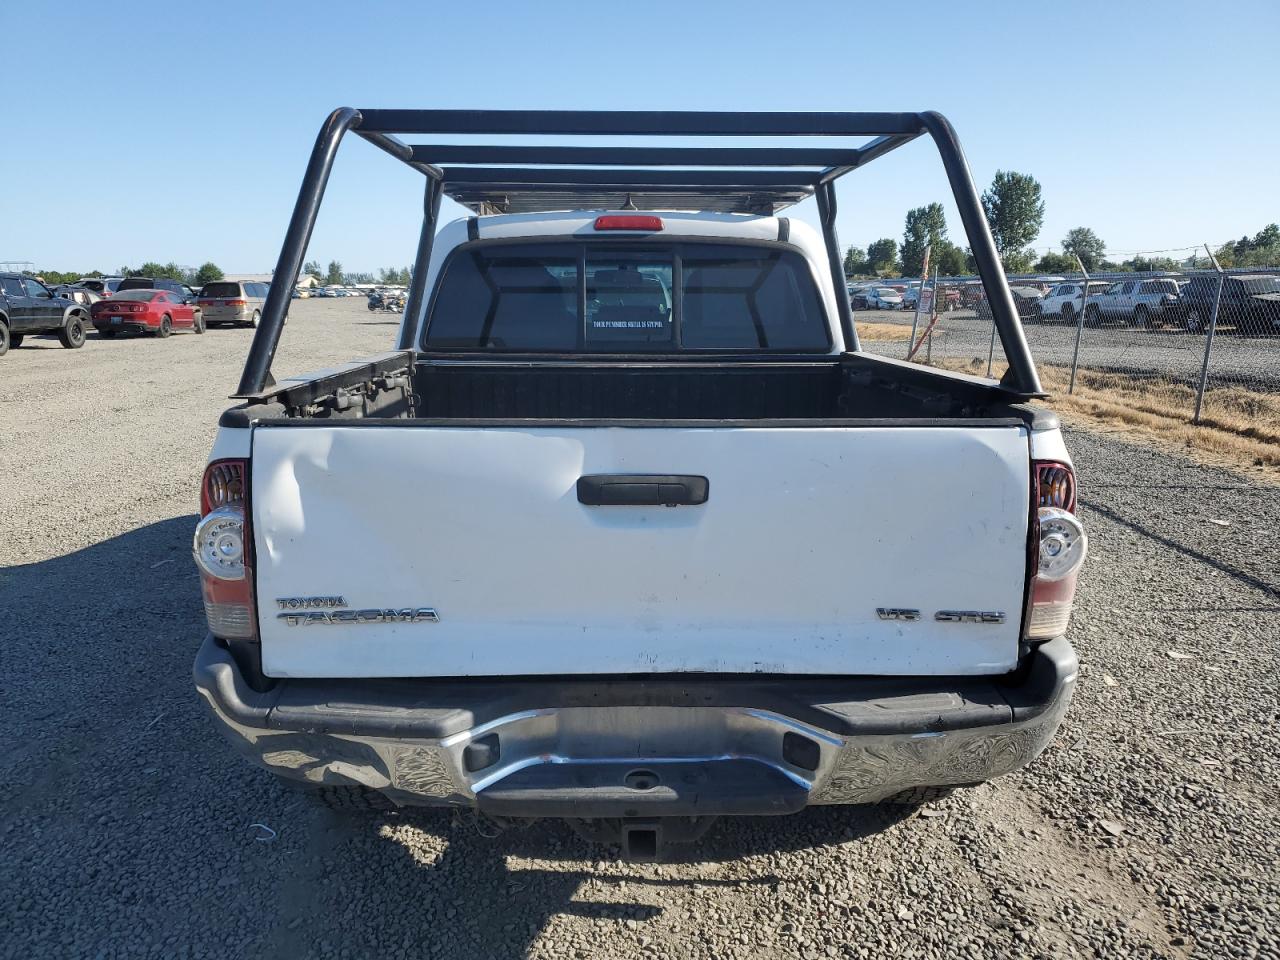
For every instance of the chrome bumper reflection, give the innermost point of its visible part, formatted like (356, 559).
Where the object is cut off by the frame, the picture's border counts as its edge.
(854, 769)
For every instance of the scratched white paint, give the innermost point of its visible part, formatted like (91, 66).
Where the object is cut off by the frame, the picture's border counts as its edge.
(805, 533)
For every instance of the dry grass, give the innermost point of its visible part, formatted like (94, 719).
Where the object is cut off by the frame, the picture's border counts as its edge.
(881, 332)
(1239, 429)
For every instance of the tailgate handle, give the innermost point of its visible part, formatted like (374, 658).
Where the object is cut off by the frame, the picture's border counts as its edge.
(641, 490)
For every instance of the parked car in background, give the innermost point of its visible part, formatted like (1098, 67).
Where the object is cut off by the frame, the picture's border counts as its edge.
(972, 293)
(81, 295)
(102, 286)
(156, 312)
(233, 301)
(29, 308)
(1064, 300)
(858, 294)
(883, 298)
(155, 283)
(1148, 303)
(950, 297)
(1027, 300)
(1250, 302)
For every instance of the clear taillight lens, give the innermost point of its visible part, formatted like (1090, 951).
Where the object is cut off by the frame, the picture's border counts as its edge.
(221, 548)
(1060, 546)
(219, 543)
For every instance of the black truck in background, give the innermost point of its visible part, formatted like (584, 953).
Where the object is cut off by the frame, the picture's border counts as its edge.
(29, 308)
(1250, 302)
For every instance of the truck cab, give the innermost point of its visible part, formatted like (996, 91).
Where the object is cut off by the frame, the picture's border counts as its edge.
(628, 530)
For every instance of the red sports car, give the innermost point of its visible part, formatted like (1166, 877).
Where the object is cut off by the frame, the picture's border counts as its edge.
(155, 312)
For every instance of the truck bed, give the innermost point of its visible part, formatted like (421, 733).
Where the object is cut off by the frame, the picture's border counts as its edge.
(408, 385)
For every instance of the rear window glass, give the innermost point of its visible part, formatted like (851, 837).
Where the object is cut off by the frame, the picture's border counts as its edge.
(619, 298)
(220, 290)
(136, 283)
(134, 295)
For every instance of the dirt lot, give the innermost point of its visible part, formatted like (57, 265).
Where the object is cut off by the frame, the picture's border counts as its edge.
(128, 826)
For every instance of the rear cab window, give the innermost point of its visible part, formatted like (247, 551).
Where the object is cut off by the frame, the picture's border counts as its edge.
(610, 297)
(220, 290)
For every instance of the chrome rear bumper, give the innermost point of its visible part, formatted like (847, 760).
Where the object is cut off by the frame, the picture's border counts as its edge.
(666, 746)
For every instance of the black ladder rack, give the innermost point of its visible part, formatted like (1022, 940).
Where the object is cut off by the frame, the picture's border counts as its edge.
(492, 178)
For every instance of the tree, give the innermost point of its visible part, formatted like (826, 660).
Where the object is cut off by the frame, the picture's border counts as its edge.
(882, 257)
(334, 276)
(951, 261)
(313, 269)
(1141, 264)
(926, 226)
(1088, 246)
(208, 273)
(1268, 236)
(1260, 250)
(855, 262)
(1015, 213)
(170, 271)
(1057, 263)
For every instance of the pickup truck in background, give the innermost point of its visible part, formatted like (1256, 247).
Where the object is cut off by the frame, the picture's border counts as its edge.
(30, 309)
(628, 530)
(1250, 302)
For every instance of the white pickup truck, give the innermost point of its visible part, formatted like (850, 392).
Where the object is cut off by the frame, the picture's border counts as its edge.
(629, 530)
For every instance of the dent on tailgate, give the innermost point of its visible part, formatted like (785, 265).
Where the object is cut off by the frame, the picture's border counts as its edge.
(805, 536)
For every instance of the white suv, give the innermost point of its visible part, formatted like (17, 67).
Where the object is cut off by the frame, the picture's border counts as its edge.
(1064, 299)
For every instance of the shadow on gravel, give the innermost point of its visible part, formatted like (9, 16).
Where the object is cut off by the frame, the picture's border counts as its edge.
(138, 775)
(1234, 572)
(494, 895)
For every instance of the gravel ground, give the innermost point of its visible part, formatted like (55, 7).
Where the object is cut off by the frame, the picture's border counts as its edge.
(1148, 829)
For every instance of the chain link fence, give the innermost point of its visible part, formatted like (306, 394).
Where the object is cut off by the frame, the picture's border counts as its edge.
(1203, 345)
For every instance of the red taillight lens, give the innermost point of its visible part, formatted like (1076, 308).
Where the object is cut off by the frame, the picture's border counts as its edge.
(222, 548)
(236, 303)
(628, 222)
(223, 485)
(1055, 486)
(1058, 548)
(137, 308)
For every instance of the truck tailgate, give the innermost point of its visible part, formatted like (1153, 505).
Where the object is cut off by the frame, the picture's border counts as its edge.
(805, 533)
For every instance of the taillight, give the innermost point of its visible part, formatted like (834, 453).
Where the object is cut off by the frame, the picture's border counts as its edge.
(236, 303)
(222, 551)
(628, 222)
(1059, 546)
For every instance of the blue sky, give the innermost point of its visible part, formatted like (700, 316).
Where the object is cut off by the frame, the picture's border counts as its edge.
(153, 133)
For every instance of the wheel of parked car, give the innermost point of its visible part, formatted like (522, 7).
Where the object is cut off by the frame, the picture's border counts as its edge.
(4, 338)
(1193, 321)
(199, 322)
(1142, 317)
(166, 326)
(1092, 315)
(72, 333)
(1068, 313)
(253, 321)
